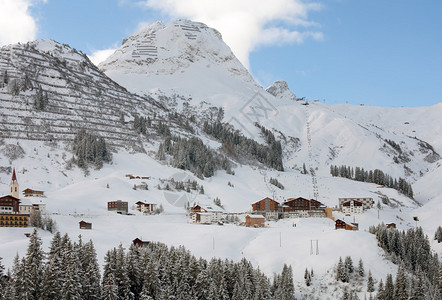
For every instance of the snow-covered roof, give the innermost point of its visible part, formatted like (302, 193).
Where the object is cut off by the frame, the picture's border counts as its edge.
(255, 216)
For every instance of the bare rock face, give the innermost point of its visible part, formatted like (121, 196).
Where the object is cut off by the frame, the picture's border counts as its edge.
(280, 89)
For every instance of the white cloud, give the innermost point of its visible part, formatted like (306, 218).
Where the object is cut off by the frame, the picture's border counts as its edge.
(100, 55)
(16, 22)
(246, 24)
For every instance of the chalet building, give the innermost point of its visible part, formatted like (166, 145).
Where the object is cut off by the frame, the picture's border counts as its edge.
(145, 208)
(339, 224)
(85, 225)
(268, 208)
(303, 208)
(30, 205)
(352, 207)
(205, 214)
(202, 218)
(254, 221)
(391, 225)
(119, 206)
(9, 205)
(33, 193)
(139, 243)
(367, 203)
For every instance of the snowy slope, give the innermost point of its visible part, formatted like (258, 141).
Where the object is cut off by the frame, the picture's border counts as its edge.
(78, 96)
(195, 68)
(186, 67)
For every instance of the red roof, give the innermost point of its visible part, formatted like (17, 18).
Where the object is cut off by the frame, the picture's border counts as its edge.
(14, 177)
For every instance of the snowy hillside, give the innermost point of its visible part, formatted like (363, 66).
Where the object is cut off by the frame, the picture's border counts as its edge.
(49, 91)
(166, 85)
(185, 68)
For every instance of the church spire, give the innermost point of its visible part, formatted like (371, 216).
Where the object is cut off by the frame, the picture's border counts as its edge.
(14, 186)
(14, 177)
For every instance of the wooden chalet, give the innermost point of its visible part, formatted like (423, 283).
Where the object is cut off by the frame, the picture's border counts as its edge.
(202, 218)
(266, 204)
(139, 243)
(146, 208)
(85, 225)
(255, 221)
(205, 214)
(339, 224)
(293, 204)
(33, 193)
(391, 225)
(268, 207)
(9, 204)
(199, 208)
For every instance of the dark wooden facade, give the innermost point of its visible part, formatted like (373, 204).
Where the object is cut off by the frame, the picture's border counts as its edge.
(85, 225)
(266, 204)
(391, 225)
(294, 204)
(30, 192)
(10, 202)
(198, 208)
(139, 243)
(339, 224)
(355, 203)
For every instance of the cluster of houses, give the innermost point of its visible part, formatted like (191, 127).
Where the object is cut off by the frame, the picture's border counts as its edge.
(122, 207)
(291, 208)
(15, 212)
(269, 209)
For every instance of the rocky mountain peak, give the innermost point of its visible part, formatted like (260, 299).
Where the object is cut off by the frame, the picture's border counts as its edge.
(280, 89)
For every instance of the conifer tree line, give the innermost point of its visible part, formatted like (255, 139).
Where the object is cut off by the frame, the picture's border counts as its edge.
(193, 155)
(239, 146)
(377, 176)
(420, 273)
(90, 149)
(70, 271)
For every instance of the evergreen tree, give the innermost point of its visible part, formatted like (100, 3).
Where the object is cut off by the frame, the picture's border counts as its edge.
(381, 293)
(370, 283)
(389, 288)
(342, 271)
(401, 286)
(2, 276)
(34, 266)
(307, 277)
(361, 270)
(90, 279)
(110, 288)
(349, 264)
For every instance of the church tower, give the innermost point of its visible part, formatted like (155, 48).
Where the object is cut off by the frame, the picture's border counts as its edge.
(14, 186)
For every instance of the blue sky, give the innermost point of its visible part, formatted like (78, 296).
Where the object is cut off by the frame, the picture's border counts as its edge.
(377, 52)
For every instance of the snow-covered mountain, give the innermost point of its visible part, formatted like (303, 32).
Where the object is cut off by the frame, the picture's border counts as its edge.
(49, 91)
(179, 75)
(190, 60)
